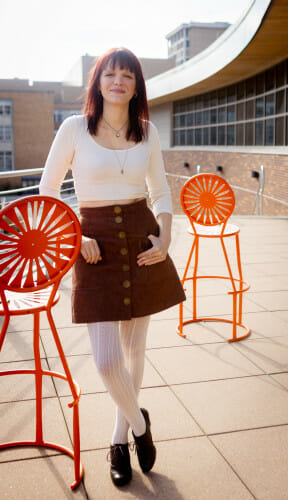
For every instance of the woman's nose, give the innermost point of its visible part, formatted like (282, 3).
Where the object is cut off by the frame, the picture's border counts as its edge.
(118, 79)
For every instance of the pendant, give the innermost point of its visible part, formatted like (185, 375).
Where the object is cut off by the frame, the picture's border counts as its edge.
(117, 134)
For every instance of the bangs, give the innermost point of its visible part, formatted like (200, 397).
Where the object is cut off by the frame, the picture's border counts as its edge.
(123, 59)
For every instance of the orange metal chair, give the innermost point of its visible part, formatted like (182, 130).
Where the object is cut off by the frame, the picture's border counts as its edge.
(40, 238)
(208, 201)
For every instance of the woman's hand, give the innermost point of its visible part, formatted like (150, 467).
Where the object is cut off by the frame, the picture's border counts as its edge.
(157, 253)
(160, 244)
(90, 250)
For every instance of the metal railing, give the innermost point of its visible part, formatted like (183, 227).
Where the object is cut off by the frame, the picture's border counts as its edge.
(8, 195)
(68, 193)
(259, 193)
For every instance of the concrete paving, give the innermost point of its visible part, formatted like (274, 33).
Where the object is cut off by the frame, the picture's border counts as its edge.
(219, 410)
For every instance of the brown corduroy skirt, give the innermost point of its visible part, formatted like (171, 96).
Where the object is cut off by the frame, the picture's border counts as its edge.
(116, 288)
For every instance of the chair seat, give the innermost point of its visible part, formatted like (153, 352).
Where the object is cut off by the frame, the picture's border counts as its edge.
(25, 303)
(211, 231)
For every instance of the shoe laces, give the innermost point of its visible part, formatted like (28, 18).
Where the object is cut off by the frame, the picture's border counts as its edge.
(116, 448)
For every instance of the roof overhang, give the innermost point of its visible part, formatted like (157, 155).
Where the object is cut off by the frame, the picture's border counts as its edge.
(256, 42)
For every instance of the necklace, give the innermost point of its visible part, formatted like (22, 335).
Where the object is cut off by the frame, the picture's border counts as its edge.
(117, 132)
(121, 164)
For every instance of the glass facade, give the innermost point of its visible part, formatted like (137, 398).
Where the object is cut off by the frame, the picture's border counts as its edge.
(250, 113)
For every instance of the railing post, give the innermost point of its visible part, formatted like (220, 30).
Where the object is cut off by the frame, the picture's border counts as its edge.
(261, 189)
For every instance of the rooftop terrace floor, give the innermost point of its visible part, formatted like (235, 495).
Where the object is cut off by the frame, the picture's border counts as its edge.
(219, 410)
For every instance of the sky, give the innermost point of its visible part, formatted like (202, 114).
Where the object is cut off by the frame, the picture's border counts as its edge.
(43, 40)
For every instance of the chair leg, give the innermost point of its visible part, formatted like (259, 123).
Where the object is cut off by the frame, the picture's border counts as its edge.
(235, 298)
(76, 443)
(4, 330)
(234, 323)
(195, 270)
(38, 379)
(62, 355)
(228, 263)
(240, 278)
(76, 430)
(180, 326)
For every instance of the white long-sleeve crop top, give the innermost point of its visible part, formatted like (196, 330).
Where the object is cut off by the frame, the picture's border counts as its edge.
(97, 170)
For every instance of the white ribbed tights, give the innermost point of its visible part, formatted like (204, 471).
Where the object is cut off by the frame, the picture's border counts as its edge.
(119, 352)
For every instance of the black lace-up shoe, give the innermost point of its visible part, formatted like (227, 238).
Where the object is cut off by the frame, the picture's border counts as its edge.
(145, 448)
(120, 469)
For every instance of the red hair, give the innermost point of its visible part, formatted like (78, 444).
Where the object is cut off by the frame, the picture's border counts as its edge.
(138, 106)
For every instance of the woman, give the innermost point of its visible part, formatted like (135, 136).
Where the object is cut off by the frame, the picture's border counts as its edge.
(123, 273)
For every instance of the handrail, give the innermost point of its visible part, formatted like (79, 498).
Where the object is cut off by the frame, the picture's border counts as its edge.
(18, 173)
(29, 188)
(259, 194)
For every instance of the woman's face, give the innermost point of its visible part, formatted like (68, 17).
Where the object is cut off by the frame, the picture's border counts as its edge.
(117, 85)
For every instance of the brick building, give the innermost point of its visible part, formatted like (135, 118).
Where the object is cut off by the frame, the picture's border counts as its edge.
(225, 110)
(227, 107)
(26, 129)
(31, 113)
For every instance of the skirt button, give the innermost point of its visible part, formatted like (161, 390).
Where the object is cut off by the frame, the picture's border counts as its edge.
(123, 251)
(126, 284)
(125, 267)
(126, 301)
(118, 219)
(117, 210)
(121, 235)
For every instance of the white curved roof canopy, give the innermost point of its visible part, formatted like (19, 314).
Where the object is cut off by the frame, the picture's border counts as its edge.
(178, 82)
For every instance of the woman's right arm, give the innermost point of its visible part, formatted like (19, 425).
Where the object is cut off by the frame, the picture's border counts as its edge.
(59, 159)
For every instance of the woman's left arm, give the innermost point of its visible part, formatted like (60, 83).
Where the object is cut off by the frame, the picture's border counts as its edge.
(160, 196)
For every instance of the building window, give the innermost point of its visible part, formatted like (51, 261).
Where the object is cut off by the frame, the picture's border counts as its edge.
(260, 107)
(253, 113)
(198, 117)
(249, 139)
(230, 135)
(213, 135)
(259, 133)
(269, 132)
(270, 105)
(279, 131)
(222, 115)
(58, 117)
(182, 137)
(190, 137)
(206, 136)
(61, 114)
(5, 134)
(250, 109)
(5, 108)
(190, 119)
(213, 116)
(221, 136)
(6, 162)
(231, 114)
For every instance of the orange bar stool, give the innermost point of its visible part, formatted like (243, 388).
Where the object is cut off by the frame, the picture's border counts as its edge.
(208, 201)
(40, 238)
